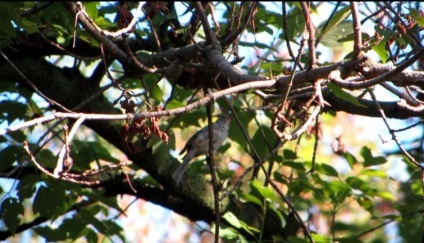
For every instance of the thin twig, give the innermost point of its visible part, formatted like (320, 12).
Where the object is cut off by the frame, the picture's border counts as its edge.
(391, 131)
(106, 67)
(211, 163)
(192, 106)
(408, 98)
(268, 178)
(279, 111)
(125, 30)
(65, 148)
(152, 27)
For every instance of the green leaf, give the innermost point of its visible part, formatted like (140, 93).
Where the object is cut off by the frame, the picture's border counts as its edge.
(411, 228)
(26, 186)
(9, 156)
(369, 159)
(91, 9)
(374, 173)
(29, 26)
(262, 136)
(232, 219)
(340, 93)
(351, 37)
(113, 228)
(90, 235)
(157, 93)
(51, 201)
(251, 198)
(295, 239)
(175, 104)
(362, 185)
(386, 195)
(289, 154)
(10, 211)
(105, 23)
(235, 133)
(50, 234)
(337, 18)
(265, 192)
(98, 195)
(18, 136)
(350, 159)
(85, 152)
(12, 110)
(321, 238)
(47, 158)
(299, 166)
(417, 17)
(229, 234)
(106, 227)
(337, 191)
(6, 26)
(331, 39)
(366, 203)
(326, 169)
(381, 51)
(73, 227)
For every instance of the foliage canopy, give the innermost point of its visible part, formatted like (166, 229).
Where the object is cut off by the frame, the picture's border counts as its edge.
(96, 98)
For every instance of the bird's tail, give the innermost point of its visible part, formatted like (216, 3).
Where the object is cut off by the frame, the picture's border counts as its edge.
(179, 172)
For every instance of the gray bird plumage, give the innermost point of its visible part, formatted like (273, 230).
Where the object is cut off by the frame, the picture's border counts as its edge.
(198, 144)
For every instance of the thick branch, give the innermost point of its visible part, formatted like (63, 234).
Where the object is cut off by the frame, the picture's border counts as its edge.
(393, 109)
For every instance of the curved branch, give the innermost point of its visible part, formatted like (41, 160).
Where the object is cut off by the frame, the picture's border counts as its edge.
(381, 78)
(111, 47)
(392, 109)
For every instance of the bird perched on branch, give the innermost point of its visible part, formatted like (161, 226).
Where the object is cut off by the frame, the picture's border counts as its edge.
(198, 144)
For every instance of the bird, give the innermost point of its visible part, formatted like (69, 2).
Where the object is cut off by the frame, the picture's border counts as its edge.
(198, 144)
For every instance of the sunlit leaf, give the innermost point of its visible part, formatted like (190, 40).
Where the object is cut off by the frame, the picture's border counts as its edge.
(251, 198)
(91, 9)
(374, 173)
(417, 16)
(381, 51)
(231, 219)
(351, 160)
(366, 203)
(337, 18)
(321, 238)
(337, 191)
(332, 37)
(386, 195)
